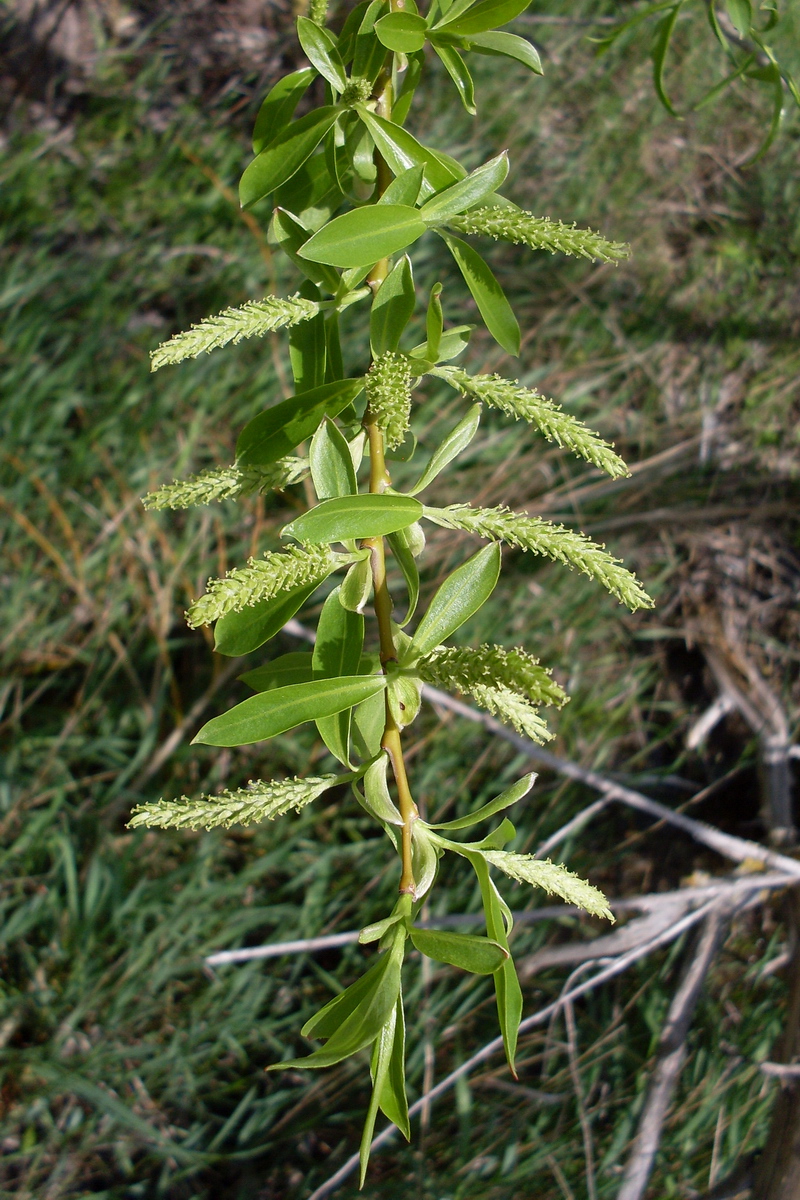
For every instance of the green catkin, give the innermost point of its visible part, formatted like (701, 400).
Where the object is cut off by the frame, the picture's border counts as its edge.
(527, 404)
(552, 878)
(538, 536)
(512, 708)
(357, 91)
(253, 319)
(226, 483)
(263, 579)
(259, 801)
(388, 385)
(464, 668)
(511, 224)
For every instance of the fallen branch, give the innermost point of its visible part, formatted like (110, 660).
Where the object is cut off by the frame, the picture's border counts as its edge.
(671, 1056)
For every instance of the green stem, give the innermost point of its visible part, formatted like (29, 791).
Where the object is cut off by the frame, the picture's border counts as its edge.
(379, 480)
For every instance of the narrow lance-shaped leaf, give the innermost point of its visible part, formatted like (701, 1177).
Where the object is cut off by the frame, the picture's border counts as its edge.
(392, 308)
(320, 50)
(307, 350)
(487, 294)
(290, 234)
(332, 469)
(434, 323)
(479, 955)
(239, 633)
(663, 37)
(286, 154)
(510, 796)
(486, 14)
(279, 429)
(380, 1065)
(278, 108)
(401, 151)
(364, 1023)
(407, 563)
(364, 516)
(509, 46)
(459, 597)
(273, 712)
(294, 667)
(467, 192)
(361, 237)
(457, 440)
(393, 1102)
(458, 71)
(337, 652)
(405, 188)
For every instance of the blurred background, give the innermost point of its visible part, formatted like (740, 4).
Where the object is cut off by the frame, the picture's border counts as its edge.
(129, 1068)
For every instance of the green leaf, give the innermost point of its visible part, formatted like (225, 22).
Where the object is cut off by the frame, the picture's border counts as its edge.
(504, 800)
(459, 597)
(467, 192)
(307, 350)
(403, 32)
(424, 860)
(287, 668)
(286, 154)
(459, 73)
(407, 563)
(486, 14)
(276, 432)
(454, 342)
(405, 188)
(375, 931)
(408, 87)
(498, 926)
(278, 107)
(320, 50)
(334, 369)
(392, 308)
(509, 46)
(487, 294)
(239, 633)
(393, 1102)
(457, 440)
(402, 151)
(377, 799)
(663, 37)
(325, 1023)
(347, 38)
(365, 516)
(356, 586)
(364, 235)
(337, 652)
(331, 462)
(369, 55)
(312, 194)
(434, 323)
(290, 234)
(369, 721)
(741, 15)
(380, 1064)
(479, 955)
(365, 1022)
(270, 713)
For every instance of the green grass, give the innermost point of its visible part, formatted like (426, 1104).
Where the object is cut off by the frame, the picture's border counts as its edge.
(128, 1071)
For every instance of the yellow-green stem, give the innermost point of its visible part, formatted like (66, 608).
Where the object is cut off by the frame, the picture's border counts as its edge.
(379, 480)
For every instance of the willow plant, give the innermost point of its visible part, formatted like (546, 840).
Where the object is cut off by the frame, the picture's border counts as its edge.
(352, 192)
